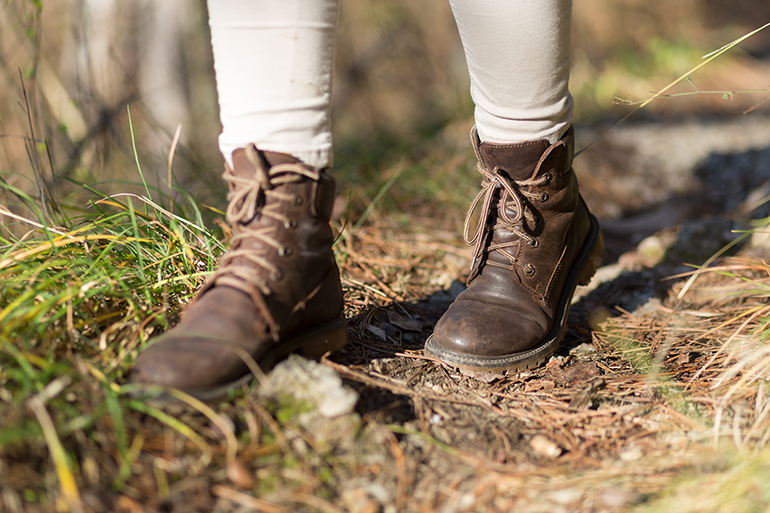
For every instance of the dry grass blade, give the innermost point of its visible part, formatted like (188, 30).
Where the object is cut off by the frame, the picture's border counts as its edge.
(22, 255)
(67, 483)
(216, 419)
(660, 94)
(248, 501)
(170, 162)
(4, 211)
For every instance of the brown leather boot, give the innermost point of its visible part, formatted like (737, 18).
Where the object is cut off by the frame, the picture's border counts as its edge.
(277, 291)
(535, 241)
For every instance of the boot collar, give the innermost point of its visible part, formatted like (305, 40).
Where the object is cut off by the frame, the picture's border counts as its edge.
(523, 160)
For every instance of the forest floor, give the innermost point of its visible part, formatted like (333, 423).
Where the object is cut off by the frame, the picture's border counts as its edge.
(657, 399)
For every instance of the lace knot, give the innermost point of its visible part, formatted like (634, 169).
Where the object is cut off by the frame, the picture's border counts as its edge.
(512, 198)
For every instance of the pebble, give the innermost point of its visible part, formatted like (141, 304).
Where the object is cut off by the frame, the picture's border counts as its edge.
(619, 497)
(544, 446)
(566, 495)
(312, 382)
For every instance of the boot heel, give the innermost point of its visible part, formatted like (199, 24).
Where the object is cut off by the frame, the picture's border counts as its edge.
(593, 261)
(330, 342)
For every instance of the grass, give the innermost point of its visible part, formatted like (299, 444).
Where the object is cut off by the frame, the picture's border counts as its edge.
(79, 298)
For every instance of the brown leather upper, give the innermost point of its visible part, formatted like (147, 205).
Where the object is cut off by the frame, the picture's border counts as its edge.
(534, 227)
(278, 280)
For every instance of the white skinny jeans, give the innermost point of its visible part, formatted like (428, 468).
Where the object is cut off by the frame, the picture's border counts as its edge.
(273, 62)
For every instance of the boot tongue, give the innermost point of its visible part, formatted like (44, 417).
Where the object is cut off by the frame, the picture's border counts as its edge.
(244, 168)
(518, 160)
(274, 158)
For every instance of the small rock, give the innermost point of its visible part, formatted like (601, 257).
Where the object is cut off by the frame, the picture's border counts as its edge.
(358, 501)
(566, 495)
(455, 289)
(484, 377)
(239, 475)
(685, 357)
(543, 446)
(584, 397)
(580, 372)
(537, 385)
(311, 382)
(760, 238)
(619, 497)
(597, 317)
(366, 498)
(631, 454)
(466, 502)
(406, 323)
(443, 297)
(583, 350)
(651, 251)
(377, 332)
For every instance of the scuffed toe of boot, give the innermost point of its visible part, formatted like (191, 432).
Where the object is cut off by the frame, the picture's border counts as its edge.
(204, 354)
(480, 336)
(178, 364)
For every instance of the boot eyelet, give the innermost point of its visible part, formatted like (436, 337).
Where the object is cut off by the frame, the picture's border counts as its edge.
(529, 270)
(298, 200)
(533, 243)
(547, 176)
(290, 224)
(276, 276)
(284, 251)
(543, 197)
(551, 157)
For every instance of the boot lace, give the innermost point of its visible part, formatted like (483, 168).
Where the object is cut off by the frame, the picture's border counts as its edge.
(512, 197)
(250, 197)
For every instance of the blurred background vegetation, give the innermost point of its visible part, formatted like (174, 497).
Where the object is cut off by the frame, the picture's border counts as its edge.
(70, 68)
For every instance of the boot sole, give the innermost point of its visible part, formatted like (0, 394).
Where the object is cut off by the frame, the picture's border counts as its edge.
(584, 269)
(314, 343)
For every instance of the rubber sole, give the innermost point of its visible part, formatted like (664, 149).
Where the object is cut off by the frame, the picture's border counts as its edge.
(581, 273)
(313, 343)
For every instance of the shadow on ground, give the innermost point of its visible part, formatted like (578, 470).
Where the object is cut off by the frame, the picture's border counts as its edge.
(647, 244)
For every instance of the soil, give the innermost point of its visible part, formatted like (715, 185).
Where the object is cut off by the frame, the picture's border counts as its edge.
(669, 195)
(632, 403)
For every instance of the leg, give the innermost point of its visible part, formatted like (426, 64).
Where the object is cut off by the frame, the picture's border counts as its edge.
(535, 240)
(278, 289)
(518, 58)
(273, 62)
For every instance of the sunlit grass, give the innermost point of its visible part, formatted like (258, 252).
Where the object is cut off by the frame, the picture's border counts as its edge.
(79, 298)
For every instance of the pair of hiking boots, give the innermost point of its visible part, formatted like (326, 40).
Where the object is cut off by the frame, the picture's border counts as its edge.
(278, 290)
